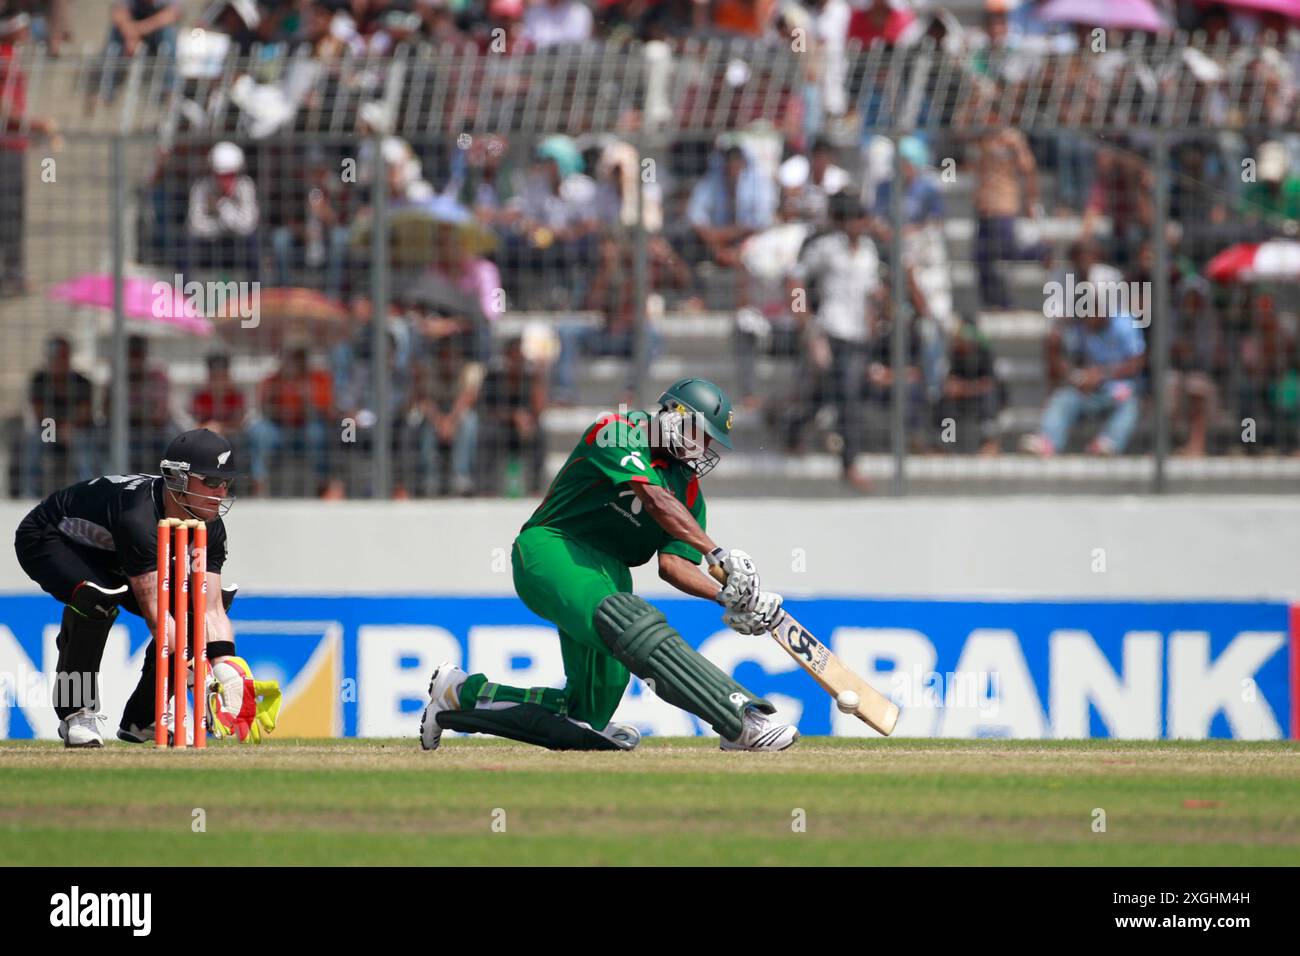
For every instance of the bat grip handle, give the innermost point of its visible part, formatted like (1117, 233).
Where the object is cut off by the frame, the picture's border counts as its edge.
(716, 572)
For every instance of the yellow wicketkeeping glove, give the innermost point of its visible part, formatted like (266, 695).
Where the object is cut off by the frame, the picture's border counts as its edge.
(238, 705)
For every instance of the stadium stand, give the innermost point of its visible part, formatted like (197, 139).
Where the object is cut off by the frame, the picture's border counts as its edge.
(580, 204)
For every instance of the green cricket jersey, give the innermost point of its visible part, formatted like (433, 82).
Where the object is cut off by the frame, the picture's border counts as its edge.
(592, 501)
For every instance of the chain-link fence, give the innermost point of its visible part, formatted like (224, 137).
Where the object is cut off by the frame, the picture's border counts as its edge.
(914, 270)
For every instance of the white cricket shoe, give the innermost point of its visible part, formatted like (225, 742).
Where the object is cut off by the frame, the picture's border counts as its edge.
(82, 729)
(624, 735)
(444, 691)
(761, 732)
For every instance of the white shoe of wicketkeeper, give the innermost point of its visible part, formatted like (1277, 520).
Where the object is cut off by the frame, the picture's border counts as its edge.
(444, 692)
(761, 732)
(82, 729)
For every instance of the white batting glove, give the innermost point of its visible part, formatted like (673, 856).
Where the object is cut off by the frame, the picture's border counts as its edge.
(762, 618)
(741, 589)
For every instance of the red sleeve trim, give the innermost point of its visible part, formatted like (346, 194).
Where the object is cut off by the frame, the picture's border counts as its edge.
(639, 479)
(692, 492)
(594, 430)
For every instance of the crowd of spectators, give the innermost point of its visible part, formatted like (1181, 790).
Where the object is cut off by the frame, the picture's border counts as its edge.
(784, 224)
(459, 426)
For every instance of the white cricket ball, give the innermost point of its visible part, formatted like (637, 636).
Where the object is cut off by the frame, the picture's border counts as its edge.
(846, 701)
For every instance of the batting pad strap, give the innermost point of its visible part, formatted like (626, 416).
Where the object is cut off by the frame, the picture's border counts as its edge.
(79, 628)
(527, 723)
(640, 637)
(478, 691)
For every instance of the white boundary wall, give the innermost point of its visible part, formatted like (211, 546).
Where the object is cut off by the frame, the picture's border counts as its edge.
(1176, 547)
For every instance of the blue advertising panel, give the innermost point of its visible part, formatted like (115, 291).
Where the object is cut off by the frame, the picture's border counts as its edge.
(360, 665)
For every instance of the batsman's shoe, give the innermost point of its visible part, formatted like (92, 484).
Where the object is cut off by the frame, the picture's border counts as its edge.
(82, 729)
(625, 735)
(169, 723)
(761, 732)
(444, 694)
(133, 734)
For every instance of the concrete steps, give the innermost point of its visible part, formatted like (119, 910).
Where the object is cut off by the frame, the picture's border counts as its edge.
(817, 475)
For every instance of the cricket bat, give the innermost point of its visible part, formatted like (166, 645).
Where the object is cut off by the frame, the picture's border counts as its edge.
(874, 709)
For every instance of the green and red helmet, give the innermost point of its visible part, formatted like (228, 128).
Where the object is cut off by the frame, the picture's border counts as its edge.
(706, 401)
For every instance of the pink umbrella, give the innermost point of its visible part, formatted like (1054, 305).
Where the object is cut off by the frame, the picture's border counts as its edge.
(1288, 8)
(1111, 14)
(147, 299)
(1256, 262)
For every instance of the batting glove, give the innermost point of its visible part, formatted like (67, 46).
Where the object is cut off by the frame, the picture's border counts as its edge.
(742, 587)
(762, 618)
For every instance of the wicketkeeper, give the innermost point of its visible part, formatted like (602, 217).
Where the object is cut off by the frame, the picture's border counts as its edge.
(630, 490)
(93, 546)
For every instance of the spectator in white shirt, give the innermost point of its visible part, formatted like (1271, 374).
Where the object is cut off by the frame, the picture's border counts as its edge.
(557, 22)
(842, 268)
(813, 179)
(223, 214)
(831, 27)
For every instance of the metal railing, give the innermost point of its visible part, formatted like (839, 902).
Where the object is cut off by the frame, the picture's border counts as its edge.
(1174, 82)
(1192, 121)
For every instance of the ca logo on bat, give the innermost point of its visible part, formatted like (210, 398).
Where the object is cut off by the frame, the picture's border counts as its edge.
(801, 642)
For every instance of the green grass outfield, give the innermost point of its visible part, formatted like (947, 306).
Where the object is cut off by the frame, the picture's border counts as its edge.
(673, 801)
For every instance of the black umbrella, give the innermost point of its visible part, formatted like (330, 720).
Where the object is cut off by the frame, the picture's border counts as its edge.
(439, 295)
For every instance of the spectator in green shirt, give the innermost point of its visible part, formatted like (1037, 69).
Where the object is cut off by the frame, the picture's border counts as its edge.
(1275, 195)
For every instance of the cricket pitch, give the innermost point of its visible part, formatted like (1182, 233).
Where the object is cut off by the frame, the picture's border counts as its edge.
(674, 801)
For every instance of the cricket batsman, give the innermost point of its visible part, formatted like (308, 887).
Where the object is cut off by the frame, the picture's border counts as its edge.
(93, 546)
(630, 490)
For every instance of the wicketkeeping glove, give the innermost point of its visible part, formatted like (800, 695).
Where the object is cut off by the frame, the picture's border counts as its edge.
(765, 615)
(238, 705)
